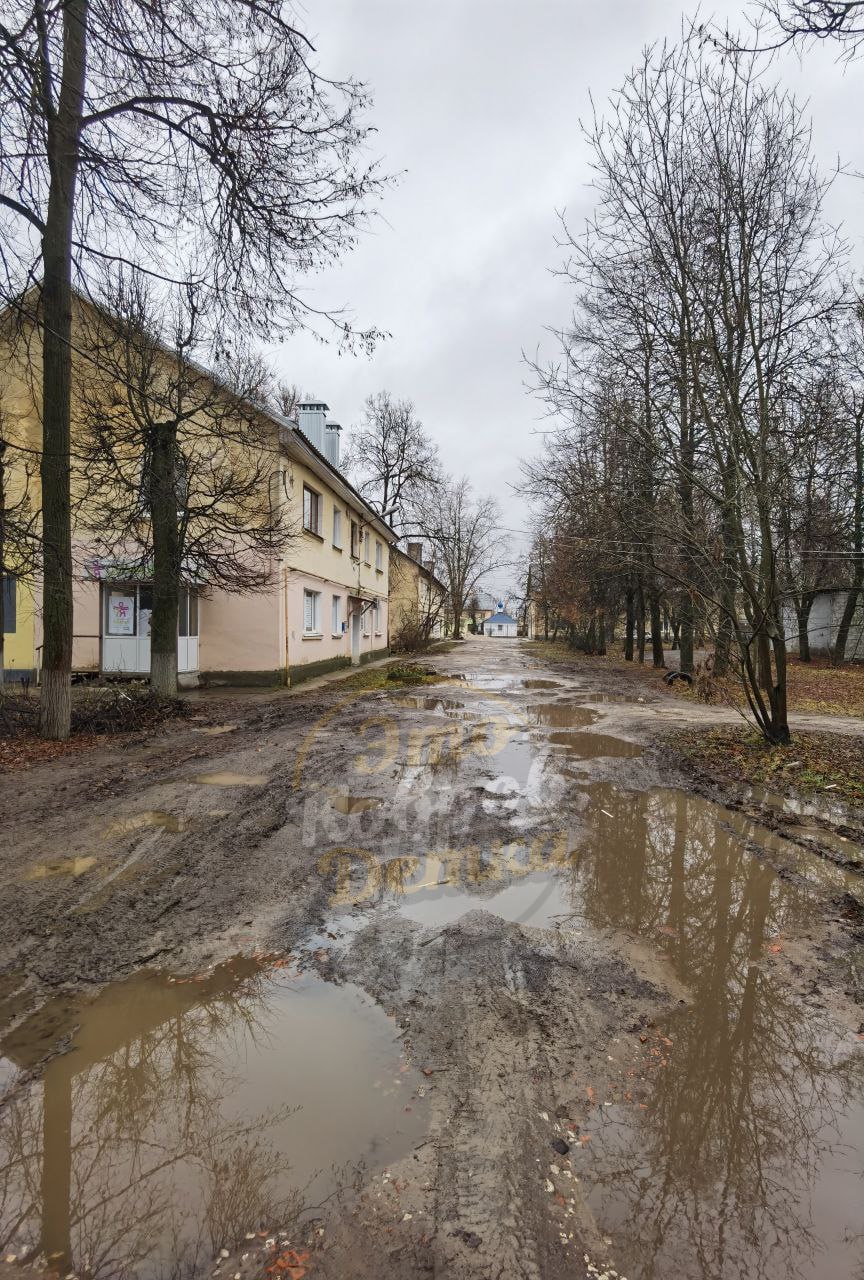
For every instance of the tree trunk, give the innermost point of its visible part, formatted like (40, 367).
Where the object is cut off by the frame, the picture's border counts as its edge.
(166, 561)
(685, 489)
(64, 149)
(2, 560)
(629, 624)
(802, 612)
(601, 632)
(640, 623)
(838, 655)
(656, 631)
(723, 645)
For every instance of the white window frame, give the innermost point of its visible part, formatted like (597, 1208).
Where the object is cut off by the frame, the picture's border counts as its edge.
(376, 617)
(337, 528)
(379, 556)
(311, 615)
(366, 628)
(336, 615)
(367, 547)
(316, 507)
(355, 540)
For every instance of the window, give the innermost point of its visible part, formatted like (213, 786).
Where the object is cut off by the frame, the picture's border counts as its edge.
(366, 612)
(120, 611)
(366, 542)
(8, 585)
(187, 618)
(355, 540)
(312, 613)
(376, 616)
(312, 505)
(379, 557)
(337, 528)
(336, 624)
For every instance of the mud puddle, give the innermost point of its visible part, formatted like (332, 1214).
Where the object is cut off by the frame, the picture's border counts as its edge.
(188, 1113)
(431, 703)
(562, 715)
(594, 746)
(355, 804)
(73, 867)
(746, 1156)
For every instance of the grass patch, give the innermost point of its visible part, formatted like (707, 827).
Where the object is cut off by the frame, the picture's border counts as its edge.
(830, 765)
(397, 675)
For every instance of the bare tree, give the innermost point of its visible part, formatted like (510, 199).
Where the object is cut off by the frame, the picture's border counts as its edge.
(715, 275)
(465, 535)
(286, 398)
(795, 20)
(392, 458)
(173, 136)
(179, 467)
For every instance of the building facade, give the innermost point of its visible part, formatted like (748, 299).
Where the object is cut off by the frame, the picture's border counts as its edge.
(418, 598)
(324, 604)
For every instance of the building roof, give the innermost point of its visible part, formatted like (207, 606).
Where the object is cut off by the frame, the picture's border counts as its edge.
(501, 618)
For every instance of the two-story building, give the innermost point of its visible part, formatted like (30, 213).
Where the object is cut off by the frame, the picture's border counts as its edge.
(325, 604)
(418, 599)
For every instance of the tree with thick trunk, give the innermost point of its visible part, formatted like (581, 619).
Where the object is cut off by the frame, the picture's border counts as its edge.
(259, 181)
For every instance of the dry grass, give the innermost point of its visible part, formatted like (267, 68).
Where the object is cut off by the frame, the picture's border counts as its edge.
(815, 686)
(830, 765)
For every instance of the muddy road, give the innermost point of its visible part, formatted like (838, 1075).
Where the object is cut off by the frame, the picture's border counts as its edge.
(455, 980)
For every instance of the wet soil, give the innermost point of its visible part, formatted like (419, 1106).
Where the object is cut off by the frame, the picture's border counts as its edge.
(471, 983)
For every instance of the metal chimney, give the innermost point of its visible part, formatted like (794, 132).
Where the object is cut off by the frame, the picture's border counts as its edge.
(331, 443)
(311, 418)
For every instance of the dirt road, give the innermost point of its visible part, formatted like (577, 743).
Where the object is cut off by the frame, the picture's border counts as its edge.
(455, 980)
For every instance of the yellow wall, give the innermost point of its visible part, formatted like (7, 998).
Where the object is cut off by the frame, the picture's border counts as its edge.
(236, 632)
(317, 555)
(19, 646)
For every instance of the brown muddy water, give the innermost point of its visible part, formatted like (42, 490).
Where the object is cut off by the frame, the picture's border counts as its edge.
(736, 1147)
(188, 1113)
(561, 715)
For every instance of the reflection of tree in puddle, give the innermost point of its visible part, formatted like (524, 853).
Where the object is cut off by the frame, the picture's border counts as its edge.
(125, 1158)
(757, 1100)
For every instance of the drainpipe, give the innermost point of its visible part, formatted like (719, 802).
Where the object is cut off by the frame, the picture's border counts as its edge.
(285, 622)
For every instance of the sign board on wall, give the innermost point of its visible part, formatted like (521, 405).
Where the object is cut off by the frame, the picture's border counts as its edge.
(121, 614)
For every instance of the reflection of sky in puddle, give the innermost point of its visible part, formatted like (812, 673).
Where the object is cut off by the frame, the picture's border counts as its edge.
(187, 1112)
(748, 1159)
(538, 900)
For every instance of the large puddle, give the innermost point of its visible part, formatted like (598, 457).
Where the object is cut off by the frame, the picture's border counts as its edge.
(737, 1148)
(188, 1113)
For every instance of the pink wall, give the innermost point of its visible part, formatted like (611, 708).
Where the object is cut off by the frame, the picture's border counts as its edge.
(303, 649)
(239, 633)
(85, 625)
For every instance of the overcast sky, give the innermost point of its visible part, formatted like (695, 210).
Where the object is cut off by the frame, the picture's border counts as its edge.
(479, 102)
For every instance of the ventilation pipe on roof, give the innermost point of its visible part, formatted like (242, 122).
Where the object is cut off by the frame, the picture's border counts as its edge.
(331, 443)
(311, 419)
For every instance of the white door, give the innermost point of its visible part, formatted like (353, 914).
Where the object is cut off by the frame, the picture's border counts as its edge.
(187, 631)
(356, 619)
(126, 629)
(126, 612)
